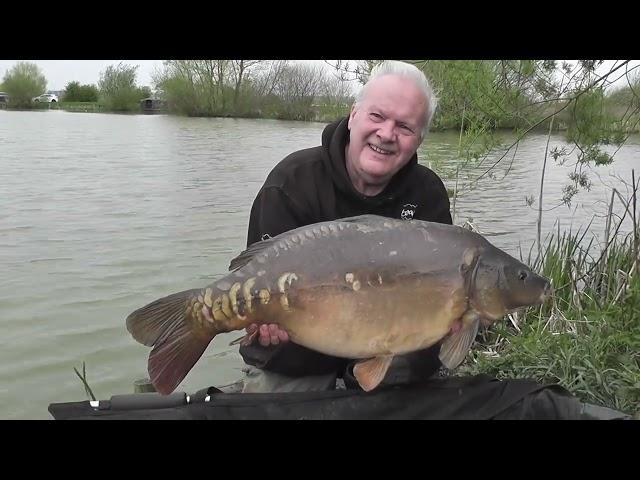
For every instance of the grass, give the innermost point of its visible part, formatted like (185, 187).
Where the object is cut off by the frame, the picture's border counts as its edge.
(83, 379)
(81, 106)
(586, 339)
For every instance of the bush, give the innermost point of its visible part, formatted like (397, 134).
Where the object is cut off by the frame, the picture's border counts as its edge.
(587, 339)
(23, 82)
(74, 92)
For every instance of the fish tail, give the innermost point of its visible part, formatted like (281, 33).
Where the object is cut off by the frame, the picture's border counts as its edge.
(179, 333)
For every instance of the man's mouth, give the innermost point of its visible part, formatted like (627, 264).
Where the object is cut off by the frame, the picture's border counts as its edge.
(380, 150)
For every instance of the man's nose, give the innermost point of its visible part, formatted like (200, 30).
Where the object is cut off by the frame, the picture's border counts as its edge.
(386, 132)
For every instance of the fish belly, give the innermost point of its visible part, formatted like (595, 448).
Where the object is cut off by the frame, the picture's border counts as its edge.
(374, 321)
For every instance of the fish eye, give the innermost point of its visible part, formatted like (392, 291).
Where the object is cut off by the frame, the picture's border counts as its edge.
(522, 275)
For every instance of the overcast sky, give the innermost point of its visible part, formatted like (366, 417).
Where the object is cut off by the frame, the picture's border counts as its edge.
(59, 72)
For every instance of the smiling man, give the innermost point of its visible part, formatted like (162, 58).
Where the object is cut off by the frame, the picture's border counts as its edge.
(387, 125)
(366, 164)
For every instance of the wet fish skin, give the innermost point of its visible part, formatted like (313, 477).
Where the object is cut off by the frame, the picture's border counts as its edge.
(365, 288)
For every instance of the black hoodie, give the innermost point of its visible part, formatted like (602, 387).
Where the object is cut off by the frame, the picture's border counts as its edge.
(312, 185)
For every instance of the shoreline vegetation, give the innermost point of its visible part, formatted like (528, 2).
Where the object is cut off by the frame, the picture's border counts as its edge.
(317, 116)
(474, 97)
(315, 113)
(587, 339)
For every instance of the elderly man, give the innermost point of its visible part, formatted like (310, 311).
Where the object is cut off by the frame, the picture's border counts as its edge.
(367, 164)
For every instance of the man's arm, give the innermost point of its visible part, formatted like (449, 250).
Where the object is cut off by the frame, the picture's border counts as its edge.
(272, 213)
(439, 204)
(444, 215)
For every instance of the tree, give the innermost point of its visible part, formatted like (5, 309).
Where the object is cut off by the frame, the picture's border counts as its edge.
(623, 103)
(74, 92)
(269, 76)
(118, 88)
(145, 92)
(241, 69)
(530, 94)
(23, 82)
(196, 87)
(357, 70)
(297, 89)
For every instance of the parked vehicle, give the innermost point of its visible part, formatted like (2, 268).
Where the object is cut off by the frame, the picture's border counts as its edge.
(46, 97)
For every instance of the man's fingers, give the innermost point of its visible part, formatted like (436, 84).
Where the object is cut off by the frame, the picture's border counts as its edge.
(283, 336)
(268, 334)
(252, 328)
(265, 337)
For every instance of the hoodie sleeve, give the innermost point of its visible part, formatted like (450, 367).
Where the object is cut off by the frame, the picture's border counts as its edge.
(437, 201)
(272, 213)
(442, 210)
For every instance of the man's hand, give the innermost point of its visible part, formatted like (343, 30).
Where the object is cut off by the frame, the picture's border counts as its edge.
(268, 334)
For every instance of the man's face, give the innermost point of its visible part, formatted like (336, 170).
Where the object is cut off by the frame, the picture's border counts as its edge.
(385, 129)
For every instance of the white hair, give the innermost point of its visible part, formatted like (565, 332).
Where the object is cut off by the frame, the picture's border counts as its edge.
(411, 72)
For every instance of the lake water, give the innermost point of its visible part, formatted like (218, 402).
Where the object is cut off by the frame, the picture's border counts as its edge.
(102, 213)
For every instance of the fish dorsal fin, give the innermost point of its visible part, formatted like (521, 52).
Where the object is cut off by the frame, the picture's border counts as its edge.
(252, 250)
(371, 372)
(255, 248)
(455, 348)
(367, 218)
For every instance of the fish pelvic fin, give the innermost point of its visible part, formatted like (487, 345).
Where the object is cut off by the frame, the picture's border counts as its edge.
(177, 335)
(455, 347)
(371, 372)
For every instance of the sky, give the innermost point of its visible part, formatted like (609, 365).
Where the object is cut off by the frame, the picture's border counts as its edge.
(59, 72)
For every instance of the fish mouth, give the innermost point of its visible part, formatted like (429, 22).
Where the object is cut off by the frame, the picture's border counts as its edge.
(546, 293)
(486, 322)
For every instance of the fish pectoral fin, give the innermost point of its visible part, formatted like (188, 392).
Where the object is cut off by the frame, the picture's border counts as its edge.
(371, 372)
(245, 339)
(455, 348)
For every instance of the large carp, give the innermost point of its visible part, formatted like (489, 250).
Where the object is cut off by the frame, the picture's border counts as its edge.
(364, 287)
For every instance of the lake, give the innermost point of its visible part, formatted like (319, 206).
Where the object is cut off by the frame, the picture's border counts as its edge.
(103, 213)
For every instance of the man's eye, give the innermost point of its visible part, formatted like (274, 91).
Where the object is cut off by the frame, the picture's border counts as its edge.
(375, 116)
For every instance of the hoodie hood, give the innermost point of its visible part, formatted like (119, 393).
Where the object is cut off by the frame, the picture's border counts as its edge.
(335, 138)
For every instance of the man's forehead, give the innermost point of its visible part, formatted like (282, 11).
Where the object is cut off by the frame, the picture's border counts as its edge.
(393, 83)
(399, 95)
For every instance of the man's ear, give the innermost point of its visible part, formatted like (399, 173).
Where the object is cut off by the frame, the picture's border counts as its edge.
(351, 114)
